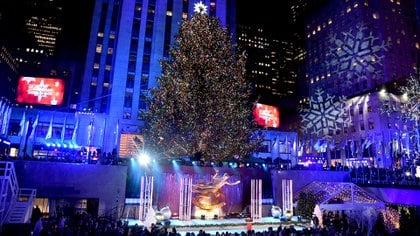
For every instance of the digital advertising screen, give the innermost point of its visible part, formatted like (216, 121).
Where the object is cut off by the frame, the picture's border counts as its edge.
(267, 116)
(42, 91)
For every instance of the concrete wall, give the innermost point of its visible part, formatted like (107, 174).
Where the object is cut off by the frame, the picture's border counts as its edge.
(70, 180)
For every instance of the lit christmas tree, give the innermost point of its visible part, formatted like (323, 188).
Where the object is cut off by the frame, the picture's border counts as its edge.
(201, 106)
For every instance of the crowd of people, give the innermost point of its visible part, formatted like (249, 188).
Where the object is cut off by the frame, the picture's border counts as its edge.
(83, 224)
(404, 176)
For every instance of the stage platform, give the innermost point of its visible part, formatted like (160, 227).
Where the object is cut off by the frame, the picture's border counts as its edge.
(232, 225)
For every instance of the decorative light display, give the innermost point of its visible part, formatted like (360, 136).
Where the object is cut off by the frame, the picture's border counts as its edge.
(201, 106)
(200, 8)
(325, 115)
(405, 106)
(355, 55)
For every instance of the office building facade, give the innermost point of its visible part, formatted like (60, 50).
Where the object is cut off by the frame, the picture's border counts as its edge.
(356, 46)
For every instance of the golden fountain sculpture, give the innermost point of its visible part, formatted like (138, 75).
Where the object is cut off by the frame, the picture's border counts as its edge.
(209, 198)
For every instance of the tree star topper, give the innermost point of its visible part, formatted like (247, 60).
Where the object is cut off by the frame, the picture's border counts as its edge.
(200, 8)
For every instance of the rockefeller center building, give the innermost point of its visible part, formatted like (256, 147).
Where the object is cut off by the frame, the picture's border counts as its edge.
(359, 50)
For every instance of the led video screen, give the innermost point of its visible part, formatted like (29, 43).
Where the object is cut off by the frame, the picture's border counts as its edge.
(43, 91)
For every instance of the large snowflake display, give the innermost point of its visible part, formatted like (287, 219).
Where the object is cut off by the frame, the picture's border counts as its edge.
(325, 115)
(355, 56)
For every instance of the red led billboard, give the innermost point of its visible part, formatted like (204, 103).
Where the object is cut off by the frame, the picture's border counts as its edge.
(267, 116)
(44, 91)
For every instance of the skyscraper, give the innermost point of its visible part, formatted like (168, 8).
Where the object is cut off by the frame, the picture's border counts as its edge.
(356, 46)
(354, 50)
(127, 41)
(42, 25)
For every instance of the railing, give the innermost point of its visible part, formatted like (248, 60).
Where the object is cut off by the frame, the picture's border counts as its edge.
(27, 195)
(9, 189)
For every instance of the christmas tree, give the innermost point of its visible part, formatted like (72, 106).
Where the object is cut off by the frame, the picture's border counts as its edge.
(201, 106)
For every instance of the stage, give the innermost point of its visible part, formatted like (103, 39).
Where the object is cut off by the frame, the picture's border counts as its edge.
(232, 225)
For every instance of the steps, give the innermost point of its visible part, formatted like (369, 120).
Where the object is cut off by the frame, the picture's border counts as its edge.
(16, 203)
(18, 214)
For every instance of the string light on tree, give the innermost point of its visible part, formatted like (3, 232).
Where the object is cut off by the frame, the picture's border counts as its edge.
(201, 106)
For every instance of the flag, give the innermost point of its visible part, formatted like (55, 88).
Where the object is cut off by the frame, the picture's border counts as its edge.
(50, 128)
(22, 125)
(76, 127)
(6, 118)
(32, 134)
(2, 112)
(332, 144)
(63, 129)
(369, 142)
(90, 131)
(116, 132)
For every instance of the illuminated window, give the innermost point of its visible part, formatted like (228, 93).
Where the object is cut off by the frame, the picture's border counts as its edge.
(100, 34)
(169, 13)
(98, 48)
(110, 50)
(108, 67)
(112, 36)
(106, 85)
(96, 66)
(375, 16)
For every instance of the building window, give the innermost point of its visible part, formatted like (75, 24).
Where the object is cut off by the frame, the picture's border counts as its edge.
(98, 48)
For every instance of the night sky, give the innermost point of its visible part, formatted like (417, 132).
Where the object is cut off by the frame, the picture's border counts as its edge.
(263, 13)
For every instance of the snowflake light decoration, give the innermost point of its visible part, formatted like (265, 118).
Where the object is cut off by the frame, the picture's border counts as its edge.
(325, 115)
(355, 56)
(200, 8)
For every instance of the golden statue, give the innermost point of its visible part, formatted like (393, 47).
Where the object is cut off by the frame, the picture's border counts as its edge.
(210, 196)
